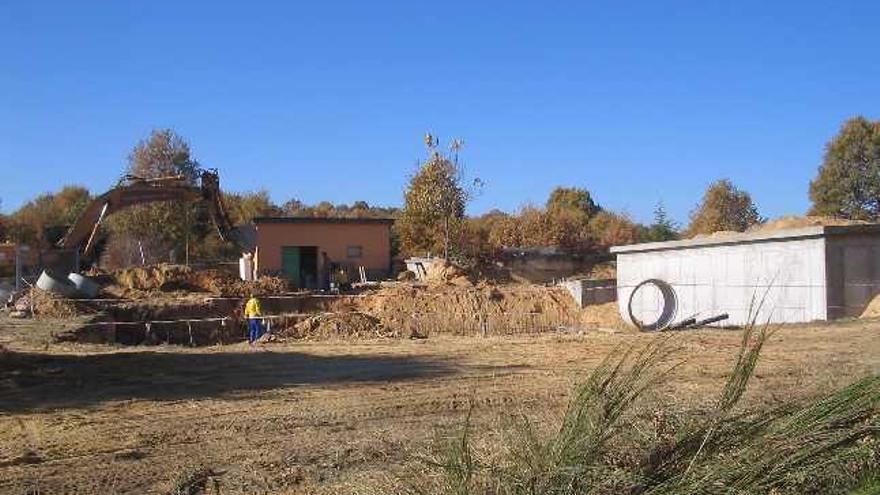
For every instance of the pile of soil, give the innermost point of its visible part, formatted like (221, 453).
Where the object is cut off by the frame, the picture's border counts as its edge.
(796, 222)
(605, 316)
(139, 282)
(163, 276)
(221, 283)
(445, 272)
(872, 310)
(784, 223)
(48, 305)
(500, 310)
(354, 325)
(718, 234)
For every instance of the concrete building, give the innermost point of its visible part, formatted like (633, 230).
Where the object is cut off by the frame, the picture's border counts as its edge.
(302, 249)
(804, 274)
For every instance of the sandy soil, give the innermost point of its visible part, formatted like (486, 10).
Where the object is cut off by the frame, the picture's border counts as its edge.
(330, 417)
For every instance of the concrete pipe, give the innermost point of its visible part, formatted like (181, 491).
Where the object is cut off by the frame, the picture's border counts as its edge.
(85, 286)
(54, 283)
(670, 305)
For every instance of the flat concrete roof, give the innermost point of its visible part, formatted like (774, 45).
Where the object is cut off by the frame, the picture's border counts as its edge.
(751, 237)
(384, 221)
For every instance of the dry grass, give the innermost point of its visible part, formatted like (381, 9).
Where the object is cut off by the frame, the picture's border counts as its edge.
(318, 417)
(603, 445)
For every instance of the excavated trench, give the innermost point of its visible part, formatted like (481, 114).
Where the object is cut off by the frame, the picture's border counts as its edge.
(402, 311)
(210, 321)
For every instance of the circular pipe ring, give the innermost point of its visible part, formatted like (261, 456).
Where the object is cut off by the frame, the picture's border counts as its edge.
(670, 305)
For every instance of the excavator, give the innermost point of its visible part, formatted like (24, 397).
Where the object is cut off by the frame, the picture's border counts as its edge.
(132, 190)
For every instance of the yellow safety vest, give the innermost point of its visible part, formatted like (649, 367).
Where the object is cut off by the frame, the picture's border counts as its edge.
(252, 308)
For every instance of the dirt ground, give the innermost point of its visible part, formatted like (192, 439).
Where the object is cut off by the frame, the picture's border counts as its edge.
(331, 417)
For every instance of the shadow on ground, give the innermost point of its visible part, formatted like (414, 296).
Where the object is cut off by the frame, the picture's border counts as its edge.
(33, 381)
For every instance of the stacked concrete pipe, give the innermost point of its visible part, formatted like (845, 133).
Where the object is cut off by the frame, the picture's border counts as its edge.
(73, 286)
(85, 286)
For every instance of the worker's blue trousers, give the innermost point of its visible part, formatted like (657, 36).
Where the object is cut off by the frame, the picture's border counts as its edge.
(255, 329)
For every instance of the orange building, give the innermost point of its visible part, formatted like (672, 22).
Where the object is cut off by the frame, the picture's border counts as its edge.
(304, 249)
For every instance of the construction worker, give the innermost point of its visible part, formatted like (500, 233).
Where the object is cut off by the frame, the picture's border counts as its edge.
(253, 312)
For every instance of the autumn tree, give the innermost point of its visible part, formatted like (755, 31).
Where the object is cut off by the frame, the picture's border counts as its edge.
(163, 154)
(293, 207)
(31, 223)
(848, 182)
(434, 203)
(535, 228)
(244, 207)
(724, 207)
(158, 229)
(613, 229)
(326, 209)
(563, 222)
(572, 199)
(473, 242)
(501, 228)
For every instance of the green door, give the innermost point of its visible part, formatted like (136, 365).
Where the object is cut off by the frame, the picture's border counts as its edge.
(290, 264)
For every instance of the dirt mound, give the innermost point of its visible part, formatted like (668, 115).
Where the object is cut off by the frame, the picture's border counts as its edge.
(783, 223)
(354, 325)
(269, 285)
(796, 222)
(717, 235)
(140, 282)
(158, 277)
(604, 315)
(872, 310)
(224, 284)
(497, 310)
(445, 272)
(48, 305)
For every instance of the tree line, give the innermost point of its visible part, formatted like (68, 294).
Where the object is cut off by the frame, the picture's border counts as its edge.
(433, 216)
(847, 186)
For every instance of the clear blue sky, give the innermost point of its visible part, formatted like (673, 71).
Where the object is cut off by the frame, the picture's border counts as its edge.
(636, 101)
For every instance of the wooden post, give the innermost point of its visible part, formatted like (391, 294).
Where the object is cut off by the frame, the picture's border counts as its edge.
(88, 247)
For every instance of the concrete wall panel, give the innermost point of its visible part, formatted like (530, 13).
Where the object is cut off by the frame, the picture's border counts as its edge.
(731, 278)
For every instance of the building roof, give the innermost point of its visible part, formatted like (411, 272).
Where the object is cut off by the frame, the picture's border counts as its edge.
(751, 237)
(317, 220)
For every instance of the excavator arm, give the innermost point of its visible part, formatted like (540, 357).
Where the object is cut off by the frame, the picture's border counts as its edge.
(136, 191)
(213, 197)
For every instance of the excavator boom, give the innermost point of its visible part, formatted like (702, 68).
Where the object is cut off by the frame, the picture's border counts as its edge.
(136, 191)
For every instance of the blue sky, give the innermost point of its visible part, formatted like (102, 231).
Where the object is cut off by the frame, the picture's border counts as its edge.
(636, 101)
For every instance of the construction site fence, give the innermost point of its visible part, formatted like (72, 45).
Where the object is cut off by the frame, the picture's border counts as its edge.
(483, 324)
(225, 330)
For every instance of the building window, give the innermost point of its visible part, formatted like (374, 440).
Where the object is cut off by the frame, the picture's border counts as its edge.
(354, 252)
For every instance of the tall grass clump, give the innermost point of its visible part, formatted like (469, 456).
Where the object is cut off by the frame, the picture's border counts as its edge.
(609, 442)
